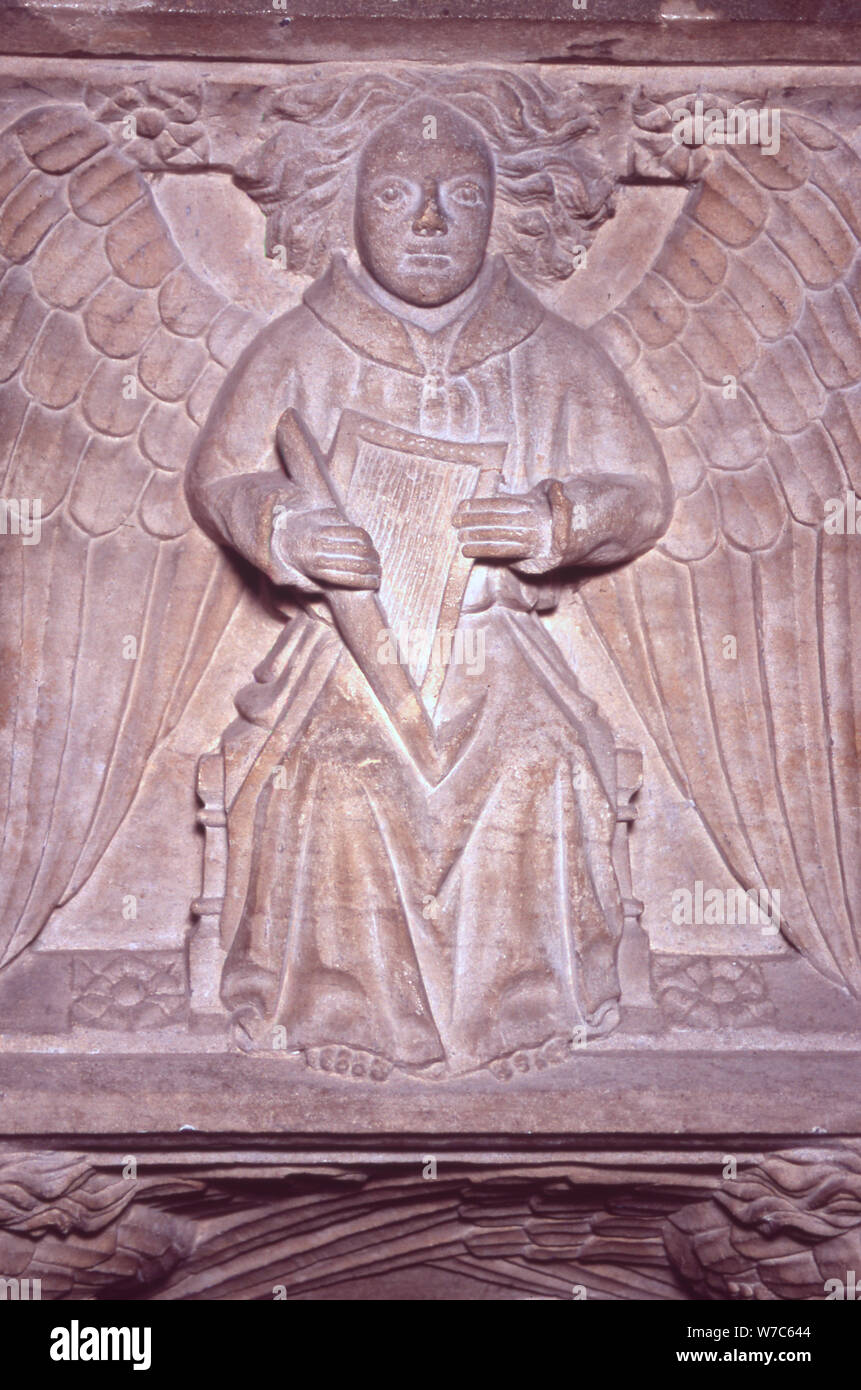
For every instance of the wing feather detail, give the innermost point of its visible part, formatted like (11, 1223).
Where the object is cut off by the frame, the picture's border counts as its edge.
(110, 620)
(758, 286)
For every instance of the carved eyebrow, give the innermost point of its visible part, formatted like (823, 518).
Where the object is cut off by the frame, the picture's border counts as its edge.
(460, 180)
(383, 179)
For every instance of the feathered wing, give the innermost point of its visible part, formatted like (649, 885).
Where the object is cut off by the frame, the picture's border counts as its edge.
(111, 352)
(759, 283)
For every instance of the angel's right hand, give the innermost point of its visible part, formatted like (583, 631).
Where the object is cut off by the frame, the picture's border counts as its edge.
(327, 548)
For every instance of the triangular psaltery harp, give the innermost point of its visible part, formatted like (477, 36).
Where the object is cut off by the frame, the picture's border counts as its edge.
(403, 489)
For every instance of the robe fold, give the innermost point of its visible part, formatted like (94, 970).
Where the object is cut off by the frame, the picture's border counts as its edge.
(366, 909)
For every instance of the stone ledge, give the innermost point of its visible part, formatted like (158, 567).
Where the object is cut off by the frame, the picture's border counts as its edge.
(617, 31)
(655, 1093)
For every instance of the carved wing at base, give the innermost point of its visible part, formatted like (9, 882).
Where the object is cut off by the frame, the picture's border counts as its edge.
(737, 636)
(112, 351)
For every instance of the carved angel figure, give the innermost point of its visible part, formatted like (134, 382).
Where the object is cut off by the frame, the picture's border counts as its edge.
(508, 840)
(420, 868)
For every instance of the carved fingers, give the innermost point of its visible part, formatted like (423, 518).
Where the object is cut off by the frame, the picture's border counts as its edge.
(504, 528)
(329, 549)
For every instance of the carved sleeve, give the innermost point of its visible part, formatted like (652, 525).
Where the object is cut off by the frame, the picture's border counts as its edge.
(237, 488)
(611, 498)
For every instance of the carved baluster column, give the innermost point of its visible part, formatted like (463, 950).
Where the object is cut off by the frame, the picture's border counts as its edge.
(205, 953)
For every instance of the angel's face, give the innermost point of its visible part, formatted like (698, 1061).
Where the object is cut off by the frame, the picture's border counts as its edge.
(424, 204)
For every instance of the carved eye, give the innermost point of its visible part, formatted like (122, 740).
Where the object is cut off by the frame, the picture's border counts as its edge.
(391, 195)
(469, 195)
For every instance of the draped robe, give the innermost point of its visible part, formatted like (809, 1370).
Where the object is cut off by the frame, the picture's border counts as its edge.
(367, 910)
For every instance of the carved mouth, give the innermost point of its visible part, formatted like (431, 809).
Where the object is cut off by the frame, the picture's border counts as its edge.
(427, 260)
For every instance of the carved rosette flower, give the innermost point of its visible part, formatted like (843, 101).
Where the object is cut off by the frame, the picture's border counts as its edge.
(129, 991)
(655, 152)
(157, 126)
(698, 992)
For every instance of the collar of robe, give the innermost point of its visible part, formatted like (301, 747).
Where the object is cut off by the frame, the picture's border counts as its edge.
(505, 314)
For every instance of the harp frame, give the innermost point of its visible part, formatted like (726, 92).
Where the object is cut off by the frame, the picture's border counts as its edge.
(483, 462)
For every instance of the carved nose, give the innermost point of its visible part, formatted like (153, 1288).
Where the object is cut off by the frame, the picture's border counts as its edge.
(431, 221)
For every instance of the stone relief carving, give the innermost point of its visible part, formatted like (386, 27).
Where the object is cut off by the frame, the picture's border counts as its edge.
(788, 1229)
(128, 990)
(416, 824)
(450, 896)
(783, 1227)
(712, 993)
(79, 1231)
(429, 500)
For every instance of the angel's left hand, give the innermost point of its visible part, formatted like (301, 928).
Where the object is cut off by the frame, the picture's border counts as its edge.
(505, 527)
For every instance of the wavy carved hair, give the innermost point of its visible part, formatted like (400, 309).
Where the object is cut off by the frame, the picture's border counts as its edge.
(551, 192)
